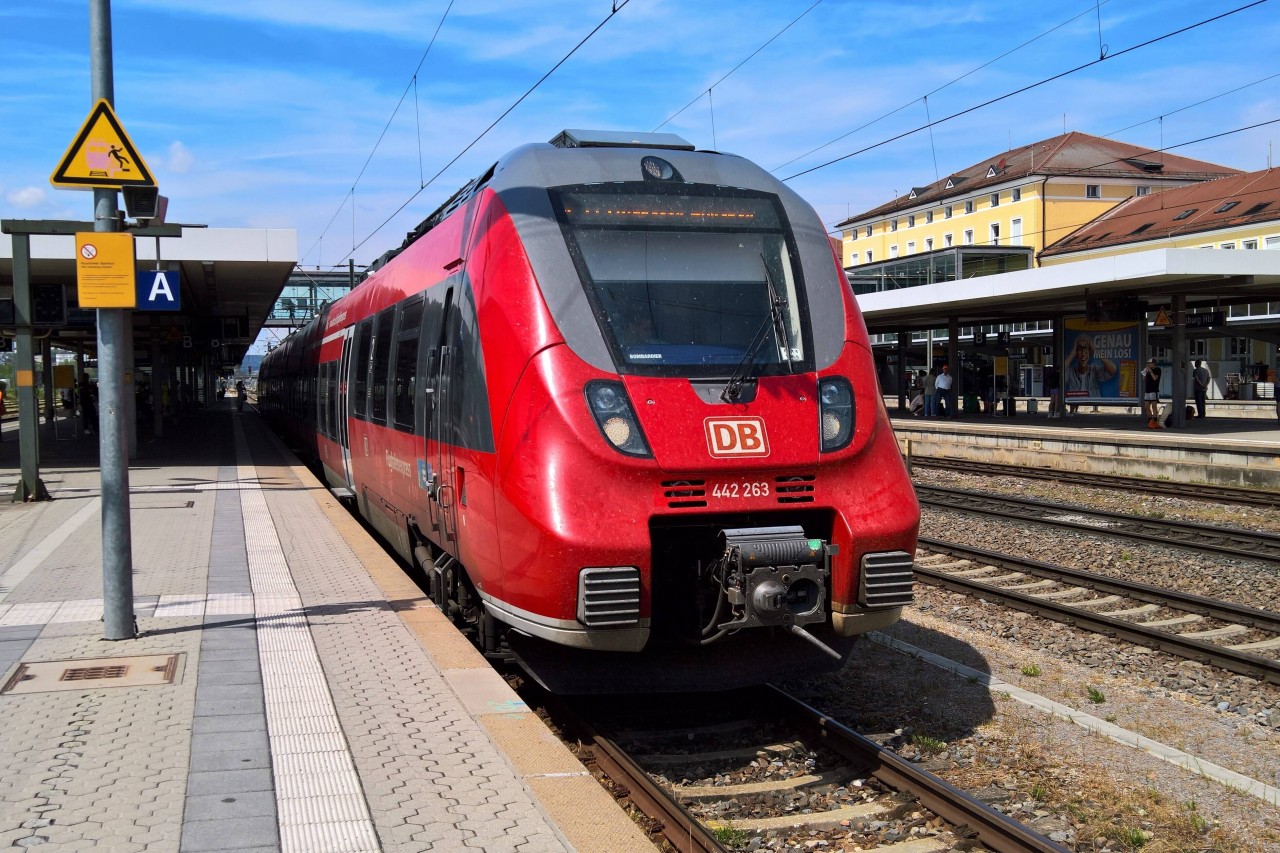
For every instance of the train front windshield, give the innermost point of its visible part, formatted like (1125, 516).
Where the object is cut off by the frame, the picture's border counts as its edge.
(688, 281)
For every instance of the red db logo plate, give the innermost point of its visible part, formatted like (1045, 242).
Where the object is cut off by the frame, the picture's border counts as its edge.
(736, 437)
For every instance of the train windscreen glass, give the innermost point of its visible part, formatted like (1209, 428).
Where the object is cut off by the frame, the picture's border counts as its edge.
(686, 282)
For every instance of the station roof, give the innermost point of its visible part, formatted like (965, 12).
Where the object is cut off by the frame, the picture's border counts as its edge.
(1075, 154)
(1232, 202)
(1207, 278)
(231, 277)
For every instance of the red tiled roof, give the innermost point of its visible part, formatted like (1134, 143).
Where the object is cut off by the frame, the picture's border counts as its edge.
(1072, 153)
(1256, 197)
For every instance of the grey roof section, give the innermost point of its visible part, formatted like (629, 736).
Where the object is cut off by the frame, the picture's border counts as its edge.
(1074, 153)
(574, 138)
(521, 178)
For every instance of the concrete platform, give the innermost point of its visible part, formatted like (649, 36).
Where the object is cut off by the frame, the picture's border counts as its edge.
(304, 696)
(1237, 444)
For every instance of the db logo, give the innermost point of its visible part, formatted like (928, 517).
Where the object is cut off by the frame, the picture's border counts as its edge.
(736, 437)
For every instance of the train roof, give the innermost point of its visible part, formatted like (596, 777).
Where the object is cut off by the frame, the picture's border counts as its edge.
(611, 157)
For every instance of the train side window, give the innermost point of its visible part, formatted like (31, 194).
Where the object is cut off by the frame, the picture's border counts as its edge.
(381, 361)
(406, 365)
(333, 400)
(360, 367)
(323, 402)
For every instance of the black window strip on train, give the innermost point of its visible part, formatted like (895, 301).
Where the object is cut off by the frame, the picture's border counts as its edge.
(406, 365)
(364, 344)
(381, 364)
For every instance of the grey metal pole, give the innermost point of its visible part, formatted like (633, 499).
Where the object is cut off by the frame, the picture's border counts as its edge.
(117, 544)
(30, 488)
(1180, 361)
(46, 362)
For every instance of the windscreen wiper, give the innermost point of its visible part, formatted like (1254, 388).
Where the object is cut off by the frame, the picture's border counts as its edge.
(777, 319)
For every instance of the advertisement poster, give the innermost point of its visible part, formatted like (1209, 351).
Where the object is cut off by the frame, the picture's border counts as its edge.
(1100, 360)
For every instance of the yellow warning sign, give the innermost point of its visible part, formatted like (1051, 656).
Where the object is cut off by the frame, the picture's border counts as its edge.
(105, 270)
(1162, 319)
(101, 155)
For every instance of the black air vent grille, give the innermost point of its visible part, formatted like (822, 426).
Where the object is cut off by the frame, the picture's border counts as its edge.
(684, 493)
(887, 579)
(796, 489)
(609, 597)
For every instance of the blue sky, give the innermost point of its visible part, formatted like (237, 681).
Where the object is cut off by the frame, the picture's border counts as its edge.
(263, 113)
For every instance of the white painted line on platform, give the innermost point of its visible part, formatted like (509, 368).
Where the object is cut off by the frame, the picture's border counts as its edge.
(45, 548)
(1200, 767)
(319, 801)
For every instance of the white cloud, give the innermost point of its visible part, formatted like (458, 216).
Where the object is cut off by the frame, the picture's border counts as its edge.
(180, 157)
(25, 198)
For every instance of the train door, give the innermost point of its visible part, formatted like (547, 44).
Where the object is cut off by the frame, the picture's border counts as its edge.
(438, 416)
(343, 432)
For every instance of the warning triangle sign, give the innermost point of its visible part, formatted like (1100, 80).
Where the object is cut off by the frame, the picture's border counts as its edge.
(1162, 319)
(101, 155)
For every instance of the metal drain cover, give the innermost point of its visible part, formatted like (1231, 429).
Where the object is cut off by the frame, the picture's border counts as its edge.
(48, 676)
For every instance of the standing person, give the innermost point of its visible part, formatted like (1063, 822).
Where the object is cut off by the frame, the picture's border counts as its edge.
(1200, 377)
(242, 394)
(943, 389)
(930, 395)
(1052, 389)
(1151, 394)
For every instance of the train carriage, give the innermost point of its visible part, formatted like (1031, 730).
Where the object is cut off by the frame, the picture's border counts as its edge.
(617, 401)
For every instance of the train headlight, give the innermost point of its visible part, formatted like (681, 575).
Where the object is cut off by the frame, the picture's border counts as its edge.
(610, 407)
(835, 423)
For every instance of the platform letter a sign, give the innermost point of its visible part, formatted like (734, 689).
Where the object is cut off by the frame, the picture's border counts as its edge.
(159, 290)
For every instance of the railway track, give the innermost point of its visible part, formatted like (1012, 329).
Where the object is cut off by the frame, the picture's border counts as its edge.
(1198, 537)
(1240, 639)
(810, 778)
(1167, 488)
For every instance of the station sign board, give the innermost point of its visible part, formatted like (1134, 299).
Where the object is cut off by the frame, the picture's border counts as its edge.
(1206, 320)
(159, 290)
(105, 267)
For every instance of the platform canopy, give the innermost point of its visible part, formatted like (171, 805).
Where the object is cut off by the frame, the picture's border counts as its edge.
(1210, 280)
(230, 279)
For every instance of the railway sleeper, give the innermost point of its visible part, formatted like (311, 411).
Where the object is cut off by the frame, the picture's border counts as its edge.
(783, 750)
(713, 793)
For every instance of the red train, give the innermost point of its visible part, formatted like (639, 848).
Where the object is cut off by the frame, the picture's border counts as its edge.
(616, 400)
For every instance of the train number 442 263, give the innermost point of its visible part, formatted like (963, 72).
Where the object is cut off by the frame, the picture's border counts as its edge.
(741, 489)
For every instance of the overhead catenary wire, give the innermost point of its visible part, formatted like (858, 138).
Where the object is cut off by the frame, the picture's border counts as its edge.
(946, 85)
(736, 67)
(413, 83)
(617, 7)
(1026, 88)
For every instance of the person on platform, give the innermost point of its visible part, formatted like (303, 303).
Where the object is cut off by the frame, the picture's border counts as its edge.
(1052, 388)
(1200, 379)
(930, 395)
(944, 390)
(242, 394)
(1085, 374)
(1151, 394)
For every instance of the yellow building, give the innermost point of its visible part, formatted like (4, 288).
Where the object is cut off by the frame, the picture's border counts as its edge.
(1031, 196)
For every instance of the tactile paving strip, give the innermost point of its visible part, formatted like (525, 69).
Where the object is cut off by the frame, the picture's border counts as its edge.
(320, 804)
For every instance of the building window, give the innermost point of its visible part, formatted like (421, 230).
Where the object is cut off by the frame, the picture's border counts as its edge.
(946, 240)
(1249, 244)
(1240, 346)
(911, 247)
(968, 206)
(1184, 214)
(1144, 190)
(1198, 347)
(1015, 194)
(1092, 191)
(968, 236)
(1273, 243)
(867, 233)
(1015, 232)
(946, 212)
(928, 216)
(893, 251)
(1225, 207)
(854, 235)
(995, 233)
(1228, 246)
(911, 220)
(869, 259)
(995, 199)
(893, 225)
(928, 244)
